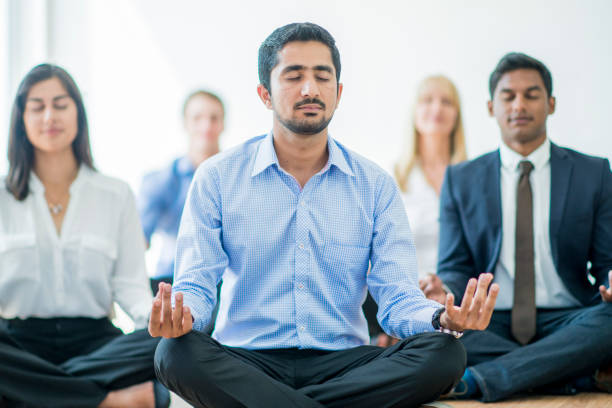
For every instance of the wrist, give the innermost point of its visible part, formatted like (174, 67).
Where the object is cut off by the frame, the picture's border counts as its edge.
(436, 318)
(444, 321)
(446, 326)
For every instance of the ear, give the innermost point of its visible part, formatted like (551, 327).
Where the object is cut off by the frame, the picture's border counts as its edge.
(552, 103)
(490, 108)
(339, 95)
(264, 95)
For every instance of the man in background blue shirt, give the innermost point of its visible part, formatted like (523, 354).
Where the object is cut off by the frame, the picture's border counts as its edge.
(163, 192)
(291, 220)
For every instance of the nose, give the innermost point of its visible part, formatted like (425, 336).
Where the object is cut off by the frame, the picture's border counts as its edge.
(310, 88)
(205, 124)
(48, 114)
(436, 106)
(518, 104)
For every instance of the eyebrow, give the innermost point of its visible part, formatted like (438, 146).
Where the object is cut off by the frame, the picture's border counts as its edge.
(531, 88)
(292, 68)
(55, 99)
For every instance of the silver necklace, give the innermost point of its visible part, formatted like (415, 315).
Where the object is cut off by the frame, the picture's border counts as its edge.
(55, 208)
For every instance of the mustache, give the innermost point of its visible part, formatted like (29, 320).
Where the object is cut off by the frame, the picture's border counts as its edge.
(528, 117)
(308, 102)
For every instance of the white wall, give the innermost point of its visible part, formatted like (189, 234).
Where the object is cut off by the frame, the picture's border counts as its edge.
(136, 60)
(4, 69)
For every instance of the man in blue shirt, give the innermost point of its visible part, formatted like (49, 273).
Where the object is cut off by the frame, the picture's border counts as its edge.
(163, 192)
(291, 220)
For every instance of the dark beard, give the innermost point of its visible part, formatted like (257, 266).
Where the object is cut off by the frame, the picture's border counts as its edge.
(304, 127)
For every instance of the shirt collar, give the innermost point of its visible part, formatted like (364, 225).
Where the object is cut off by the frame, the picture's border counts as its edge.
(37, 186)
(266, 157)
(337, 158)
(184, 167)
(511, 159)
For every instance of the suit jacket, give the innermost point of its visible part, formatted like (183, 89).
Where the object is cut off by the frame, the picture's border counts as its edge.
(580, 221)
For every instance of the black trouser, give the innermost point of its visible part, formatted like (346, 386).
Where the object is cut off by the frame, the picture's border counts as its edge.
(370, 308)
(209, 374)
(569, 343)
(70, 362)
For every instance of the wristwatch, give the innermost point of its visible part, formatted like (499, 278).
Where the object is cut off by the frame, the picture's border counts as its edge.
(435, 322)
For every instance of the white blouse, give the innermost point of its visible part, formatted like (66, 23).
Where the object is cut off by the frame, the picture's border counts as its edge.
(98, 259)
(423, 209)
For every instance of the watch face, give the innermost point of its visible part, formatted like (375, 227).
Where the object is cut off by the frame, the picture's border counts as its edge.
(435, 321)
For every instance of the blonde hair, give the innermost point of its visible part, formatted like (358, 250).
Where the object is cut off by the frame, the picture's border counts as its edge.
(411, 154)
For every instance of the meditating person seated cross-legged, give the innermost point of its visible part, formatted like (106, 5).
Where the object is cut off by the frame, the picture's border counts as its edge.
(71, 244)
(539, 216)
(290, 221)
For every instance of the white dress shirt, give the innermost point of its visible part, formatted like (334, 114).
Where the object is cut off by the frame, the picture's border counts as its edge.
(550, 290)
(422, 205)
(97, 259)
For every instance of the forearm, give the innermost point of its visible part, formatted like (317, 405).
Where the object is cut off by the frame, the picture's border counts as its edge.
(406, 314)
(136, 302)
(198, 296)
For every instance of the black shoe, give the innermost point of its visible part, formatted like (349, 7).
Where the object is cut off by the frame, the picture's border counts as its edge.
(162, 395)
(603, 379)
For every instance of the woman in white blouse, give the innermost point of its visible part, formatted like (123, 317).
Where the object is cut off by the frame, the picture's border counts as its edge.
(71, 244)
(435, 140)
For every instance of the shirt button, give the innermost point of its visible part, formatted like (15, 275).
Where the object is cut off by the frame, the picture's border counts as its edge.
(302, 328)
(301, 246)
(300, 286)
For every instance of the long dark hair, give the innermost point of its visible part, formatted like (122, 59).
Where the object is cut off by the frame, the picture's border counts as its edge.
(20, 150)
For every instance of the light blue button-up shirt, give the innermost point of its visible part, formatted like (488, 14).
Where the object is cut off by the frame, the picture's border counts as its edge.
(160, 203)
(295, 261)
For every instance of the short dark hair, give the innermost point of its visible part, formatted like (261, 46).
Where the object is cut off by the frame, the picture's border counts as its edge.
(269, 49)
(203, 93)
(517, 60)
(20, 150)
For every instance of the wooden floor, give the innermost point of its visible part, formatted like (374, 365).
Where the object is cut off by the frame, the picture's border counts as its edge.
(587, 400)
(584, 400)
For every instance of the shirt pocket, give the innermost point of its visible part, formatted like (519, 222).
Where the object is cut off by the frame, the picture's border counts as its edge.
(348, 263)
(97, 256)
(19, 259)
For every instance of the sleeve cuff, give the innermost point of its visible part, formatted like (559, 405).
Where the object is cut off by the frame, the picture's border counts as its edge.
(140, 315)
(199, 311)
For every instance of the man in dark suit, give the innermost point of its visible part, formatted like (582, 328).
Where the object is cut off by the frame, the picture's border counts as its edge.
(539, 217)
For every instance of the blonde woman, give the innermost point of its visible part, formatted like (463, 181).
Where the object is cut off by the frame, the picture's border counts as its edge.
(435, 140)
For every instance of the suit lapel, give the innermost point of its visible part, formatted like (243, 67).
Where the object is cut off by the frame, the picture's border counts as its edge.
(560, 173)
(491, 177)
